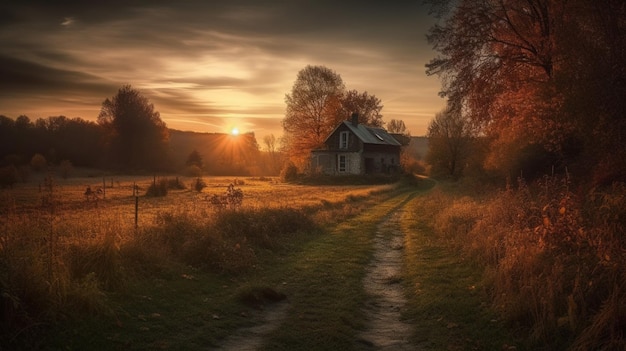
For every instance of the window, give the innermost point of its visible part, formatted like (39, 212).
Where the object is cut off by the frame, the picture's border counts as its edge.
(342, 163)
(343, 140)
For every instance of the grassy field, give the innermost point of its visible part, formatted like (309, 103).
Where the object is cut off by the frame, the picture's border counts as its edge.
(65, 258)
(483, 270)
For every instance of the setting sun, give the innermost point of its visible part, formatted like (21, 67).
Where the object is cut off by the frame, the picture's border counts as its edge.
(234, 131)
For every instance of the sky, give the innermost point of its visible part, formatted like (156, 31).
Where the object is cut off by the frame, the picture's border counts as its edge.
(211, 66)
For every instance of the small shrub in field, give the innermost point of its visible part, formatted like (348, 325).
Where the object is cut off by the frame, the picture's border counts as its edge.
(101, 259)
(232, 199)
(85, 296)
(158, 189)
(199, 184)
(175, 183)
(38, 162)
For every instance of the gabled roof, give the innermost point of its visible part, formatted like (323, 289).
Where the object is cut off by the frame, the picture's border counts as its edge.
(370, 135)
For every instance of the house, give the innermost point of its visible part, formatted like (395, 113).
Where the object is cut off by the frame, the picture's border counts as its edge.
(354, 148)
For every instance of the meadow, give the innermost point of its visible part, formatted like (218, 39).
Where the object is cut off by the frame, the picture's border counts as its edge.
(65, 255)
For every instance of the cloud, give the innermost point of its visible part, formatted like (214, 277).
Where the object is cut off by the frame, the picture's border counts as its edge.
(207, 60)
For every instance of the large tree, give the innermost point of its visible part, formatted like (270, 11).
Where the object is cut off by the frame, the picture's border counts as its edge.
(543, 74)
(397, 126)
(136, 136)
(367, 106)
(450, 136)
(317, 103)
(312, 110)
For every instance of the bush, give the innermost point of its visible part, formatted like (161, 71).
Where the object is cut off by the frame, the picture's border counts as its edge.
(175, 183)
(38, 162)
(161, 187)
(199, 184)
(158, 189)
(289, 173)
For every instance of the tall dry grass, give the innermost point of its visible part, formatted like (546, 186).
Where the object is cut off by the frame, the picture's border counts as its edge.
(61, 255)
(555, 259)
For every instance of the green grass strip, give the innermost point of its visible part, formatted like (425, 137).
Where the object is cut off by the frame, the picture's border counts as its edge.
(448, 305)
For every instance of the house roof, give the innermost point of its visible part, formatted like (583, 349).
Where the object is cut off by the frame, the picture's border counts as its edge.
(371, 135)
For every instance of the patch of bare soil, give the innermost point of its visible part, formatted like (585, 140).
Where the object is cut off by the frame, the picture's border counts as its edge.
(249, 339)
(385, 329)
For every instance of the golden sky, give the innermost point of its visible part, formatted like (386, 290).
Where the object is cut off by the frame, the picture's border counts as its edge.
(210, 66)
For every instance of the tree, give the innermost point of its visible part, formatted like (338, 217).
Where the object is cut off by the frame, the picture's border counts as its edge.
(312, 110)
(541, 74)
(38, 162)
(367, 106)
(194, 159)
(449, 140)
(270, 144)
(136, 135)
(496, 66)
(397, 126)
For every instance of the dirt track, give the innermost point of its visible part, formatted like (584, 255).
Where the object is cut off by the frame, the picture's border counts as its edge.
(385, 329)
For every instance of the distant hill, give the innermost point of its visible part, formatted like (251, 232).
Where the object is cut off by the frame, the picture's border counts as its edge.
(222, 154)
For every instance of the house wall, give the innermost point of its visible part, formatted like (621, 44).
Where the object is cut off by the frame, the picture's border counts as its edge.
(385, 158)
(354, 144)
(362, 158)
(381, 162)
(327, 162)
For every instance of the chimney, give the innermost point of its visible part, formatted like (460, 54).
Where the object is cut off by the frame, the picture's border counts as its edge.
(355, 119)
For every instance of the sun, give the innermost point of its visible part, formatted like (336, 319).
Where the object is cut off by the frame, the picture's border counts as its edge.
(234, 131)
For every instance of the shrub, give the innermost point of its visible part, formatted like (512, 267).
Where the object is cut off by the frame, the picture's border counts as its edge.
(199, 184)
(175, 183)
(289, 173)
(158, 189)
(38, 162)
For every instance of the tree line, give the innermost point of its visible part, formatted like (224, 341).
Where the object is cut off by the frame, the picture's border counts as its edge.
(530, 86)
(128, 136)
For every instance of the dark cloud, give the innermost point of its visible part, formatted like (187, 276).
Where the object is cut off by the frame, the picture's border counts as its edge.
(23, 77)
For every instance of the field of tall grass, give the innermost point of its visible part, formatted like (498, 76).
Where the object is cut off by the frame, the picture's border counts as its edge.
(62, 252)
(555, 257)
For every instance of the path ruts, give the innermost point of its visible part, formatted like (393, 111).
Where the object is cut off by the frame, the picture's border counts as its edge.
(385, 328)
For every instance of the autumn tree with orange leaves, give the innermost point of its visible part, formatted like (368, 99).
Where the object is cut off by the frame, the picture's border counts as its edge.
(317, 103)
(542, 75)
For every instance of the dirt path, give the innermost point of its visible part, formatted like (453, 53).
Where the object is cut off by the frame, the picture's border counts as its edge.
(250, 339)
(382, 282)
(386, 330)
